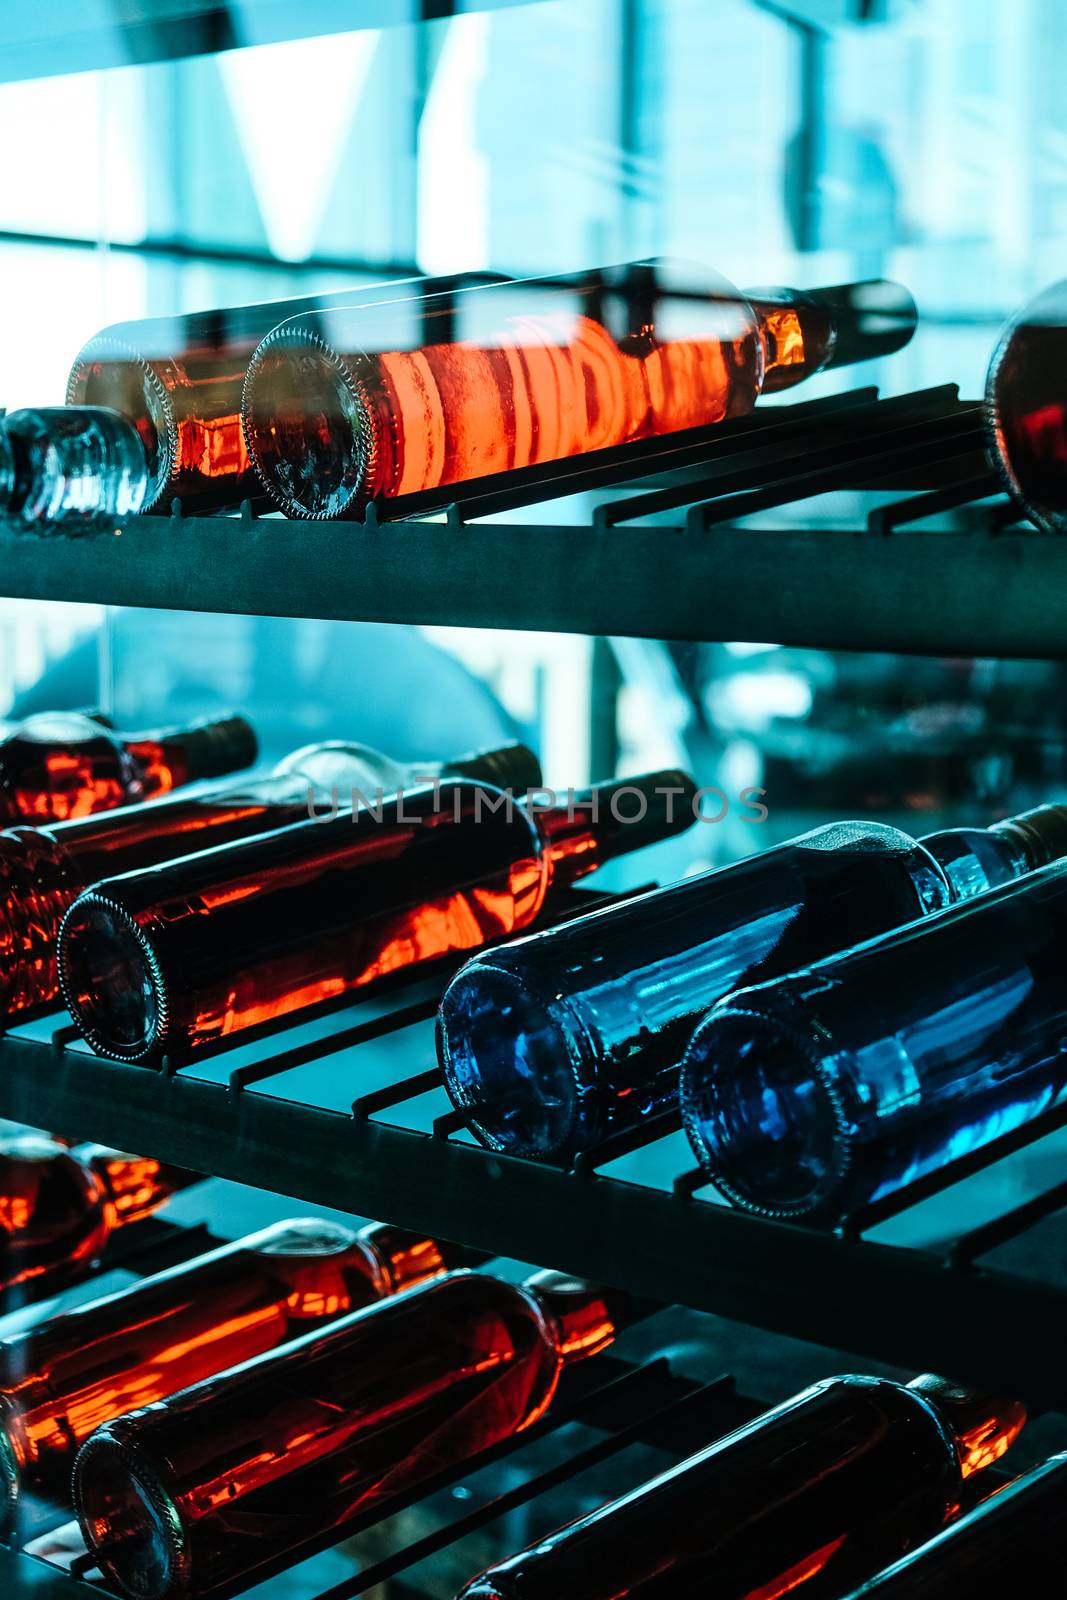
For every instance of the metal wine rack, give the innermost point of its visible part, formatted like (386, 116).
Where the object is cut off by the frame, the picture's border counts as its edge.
(604, 1408)
(279, 1109)
(638, 1397)
(905, 543)
(698, 536)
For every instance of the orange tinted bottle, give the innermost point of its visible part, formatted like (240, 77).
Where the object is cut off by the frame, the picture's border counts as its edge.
(811, 1497)
(178, 380)
(65, 1377)
(256, 1465)
(200, 949)
(335, 415)
(44, 869)
(63, 764)
(59, 1205)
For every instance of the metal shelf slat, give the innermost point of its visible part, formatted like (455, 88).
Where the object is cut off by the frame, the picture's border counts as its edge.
(925, 592)
(567, 561)
(886, 1303)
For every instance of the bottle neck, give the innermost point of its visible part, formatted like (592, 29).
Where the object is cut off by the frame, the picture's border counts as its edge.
(586, 1317)
(612, 819)
(512, 767)
(797, 337)
(135, 1185)
(976, 859)
(805, 332)
(335, 768)
(982, 1427)
(1039, 836)
(405, 1258)
(207, 748)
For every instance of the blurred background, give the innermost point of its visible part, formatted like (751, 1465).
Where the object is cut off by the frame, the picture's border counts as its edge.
(800, 143)
(166, 156)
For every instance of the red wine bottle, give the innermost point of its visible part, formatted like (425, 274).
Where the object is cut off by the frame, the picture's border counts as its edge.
(199, 1491)
(823, 1490)
(64, 1377)
(201, 949)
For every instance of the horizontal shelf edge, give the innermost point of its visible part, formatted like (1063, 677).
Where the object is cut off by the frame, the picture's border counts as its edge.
(886, 1304)
(912, 591)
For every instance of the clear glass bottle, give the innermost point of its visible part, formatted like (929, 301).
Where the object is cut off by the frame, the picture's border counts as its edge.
(43, 870)
(1018, 1533)
(66, 1376)
(822, 1490)
(59, 1206)
(63, 764)
(69, 469)
(1027, 408)
(559, 1040)
(846, 1081)
(180, 955)
(178, 379)
(342, 407)
(201, 1490)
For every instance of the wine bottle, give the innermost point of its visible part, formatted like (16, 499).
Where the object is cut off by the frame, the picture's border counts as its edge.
(836, 1085)
(824, 1488)
(59, 1206)
(176, 957)
(44, 870)
(69, 469)
(62, 764)
(1020, 1531)
(66, 1376)
(252, 1467)
(178, 380)
(341, 407)
(1027, 408)
(559, 1040)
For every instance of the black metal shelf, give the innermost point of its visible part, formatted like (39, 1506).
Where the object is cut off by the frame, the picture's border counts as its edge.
(581, 551)
(618, 1402)
(370, 1131)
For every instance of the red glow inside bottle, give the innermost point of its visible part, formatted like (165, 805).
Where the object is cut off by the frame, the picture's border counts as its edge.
(62, 765)
(44, 869)
(291, 1449)
(59, 1206)
(66, 1376)
(1028, 407)
(336, 414)
(180, 956)
(822, 1490)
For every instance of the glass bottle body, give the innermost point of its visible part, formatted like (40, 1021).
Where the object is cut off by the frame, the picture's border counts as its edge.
(64, 1378)
(1027, 409)
(190, 952)
(256, 1464)
(43, 870)
(334, 415)
(180, 955)
(59, 1206)
(563, 1038)
(60, 765)
(1020, 1531)
(836, 1085)
(69, 469)
(820, 1491)
(178, 380)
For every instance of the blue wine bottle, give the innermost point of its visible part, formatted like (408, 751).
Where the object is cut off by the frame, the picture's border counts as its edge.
(834, 1086)
(557, 1041)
